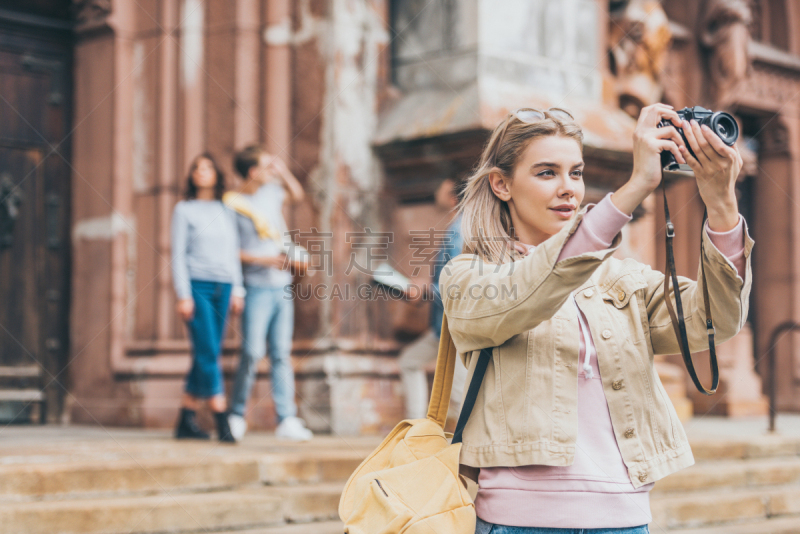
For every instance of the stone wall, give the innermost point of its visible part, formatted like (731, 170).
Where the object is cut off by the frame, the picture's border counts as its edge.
(371, 103)
(163, 81)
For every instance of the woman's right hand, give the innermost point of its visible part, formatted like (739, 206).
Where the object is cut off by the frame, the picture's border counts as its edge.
(648, 142)
(185, 308)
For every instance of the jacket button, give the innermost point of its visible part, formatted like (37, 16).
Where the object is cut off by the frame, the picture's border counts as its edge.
(621, 295)
(642, 477)
(606, 334)
(617, 384)
(629, 433)
(588, 293)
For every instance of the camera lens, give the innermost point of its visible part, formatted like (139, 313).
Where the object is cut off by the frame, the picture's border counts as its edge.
(724, 125)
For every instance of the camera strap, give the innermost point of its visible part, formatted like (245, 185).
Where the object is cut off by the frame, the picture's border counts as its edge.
(678, 320)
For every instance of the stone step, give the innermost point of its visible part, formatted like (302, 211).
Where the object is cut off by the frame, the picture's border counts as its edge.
(783, 525)
(317, 502)
(124, 477)
(201, 471)
(763, 446)
(153, 475)
(189, 512)
(323, 527)
(786, 525)
(731, 474)
(709, 508)
(148, 514)
(305, 468)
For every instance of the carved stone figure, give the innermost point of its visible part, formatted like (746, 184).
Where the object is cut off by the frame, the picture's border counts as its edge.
(725, 32)
(10, 201)
(639, 38)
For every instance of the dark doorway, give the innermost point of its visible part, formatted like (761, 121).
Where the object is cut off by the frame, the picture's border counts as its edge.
(35, 105)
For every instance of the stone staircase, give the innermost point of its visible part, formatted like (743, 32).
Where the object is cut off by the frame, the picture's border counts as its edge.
(738, 486)
(155, 485)
(97, 481)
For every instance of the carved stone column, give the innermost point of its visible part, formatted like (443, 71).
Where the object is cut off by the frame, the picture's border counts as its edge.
(726, 35)
(102, 225)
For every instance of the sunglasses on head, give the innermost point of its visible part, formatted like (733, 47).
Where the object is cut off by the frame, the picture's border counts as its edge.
(529, 116)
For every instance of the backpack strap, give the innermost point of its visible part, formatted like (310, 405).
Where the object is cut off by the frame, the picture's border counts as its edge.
(446, 363)
(443, 377)
(472, 393)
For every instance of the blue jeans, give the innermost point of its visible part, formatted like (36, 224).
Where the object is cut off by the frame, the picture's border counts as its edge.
(487, 528)
(207, 328)
(268, 318)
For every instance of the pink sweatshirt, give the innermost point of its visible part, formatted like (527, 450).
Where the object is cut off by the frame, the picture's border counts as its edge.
(595, 491)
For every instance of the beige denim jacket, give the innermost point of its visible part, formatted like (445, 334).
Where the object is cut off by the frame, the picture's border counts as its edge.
(526, 411)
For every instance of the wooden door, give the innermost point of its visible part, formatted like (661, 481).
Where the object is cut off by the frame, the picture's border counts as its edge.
(35, 62)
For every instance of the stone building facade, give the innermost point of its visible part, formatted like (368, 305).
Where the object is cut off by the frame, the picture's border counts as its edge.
(370, 103)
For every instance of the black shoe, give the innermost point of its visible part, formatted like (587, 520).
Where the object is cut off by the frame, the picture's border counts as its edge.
(187, 426)
(223, 428)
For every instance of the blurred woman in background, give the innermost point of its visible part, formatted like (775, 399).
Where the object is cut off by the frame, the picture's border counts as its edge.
(207, 275)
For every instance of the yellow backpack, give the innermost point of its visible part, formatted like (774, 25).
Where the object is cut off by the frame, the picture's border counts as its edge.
(410, 483)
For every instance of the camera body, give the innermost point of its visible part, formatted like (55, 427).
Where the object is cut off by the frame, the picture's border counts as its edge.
(721, 123)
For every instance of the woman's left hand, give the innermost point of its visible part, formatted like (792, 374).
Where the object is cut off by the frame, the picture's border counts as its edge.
(237, 305)
(716, 168)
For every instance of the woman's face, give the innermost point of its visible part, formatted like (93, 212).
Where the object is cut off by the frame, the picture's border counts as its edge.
(546, 188)
(204, 174)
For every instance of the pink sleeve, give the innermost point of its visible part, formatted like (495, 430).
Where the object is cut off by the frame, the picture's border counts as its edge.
(603, 222)
(731, 245)
(597, 229)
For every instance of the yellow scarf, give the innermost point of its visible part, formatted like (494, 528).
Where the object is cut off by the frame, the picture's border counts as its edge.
(239, 204)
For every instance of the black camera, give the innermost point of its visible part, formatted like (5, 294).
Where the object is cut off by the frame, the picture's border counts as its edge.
(721, 123)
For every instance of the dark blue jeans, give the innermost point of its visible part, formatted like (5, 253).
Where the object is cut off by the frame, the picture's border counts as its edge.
(487, 528)
(207, 328)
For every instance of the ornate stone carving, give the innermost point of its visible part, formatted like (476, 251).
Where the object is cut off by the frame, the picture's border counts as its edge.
(640, 39)
(756, 20)
(768, 87)
(725, 32)
(91, 14)
(10, 201)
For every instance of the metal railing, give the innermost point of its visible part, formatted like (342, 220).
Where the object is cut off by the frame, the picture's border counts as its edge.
(773, 385)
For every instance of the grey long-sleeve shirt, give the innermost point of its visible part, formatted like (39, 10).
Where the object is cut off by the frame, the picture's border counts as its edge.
(205, 246)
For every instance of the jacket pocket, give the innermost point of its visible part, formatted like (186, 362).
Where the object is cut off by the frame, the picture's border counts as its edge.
(624, 304)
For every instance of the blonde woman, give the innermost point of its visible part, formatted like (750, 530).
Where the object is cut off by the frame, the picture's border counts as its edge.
(572, 426)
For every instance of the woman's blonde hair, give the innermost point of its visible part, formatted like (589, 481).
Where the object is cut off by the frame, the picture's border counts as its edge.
(486, 220)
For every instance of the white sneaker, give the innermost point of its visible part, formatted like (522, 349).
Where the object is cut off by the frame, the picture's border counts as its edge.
(293, 428)
(238, 426)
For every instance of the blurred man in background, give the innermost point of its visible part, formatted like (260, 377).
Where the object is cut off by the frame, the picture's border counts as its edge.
(268, 310)
(415, 358)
